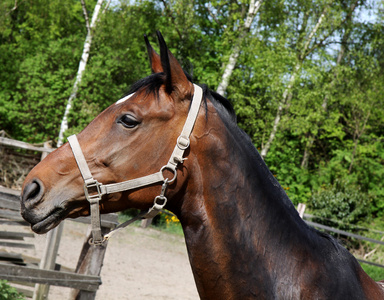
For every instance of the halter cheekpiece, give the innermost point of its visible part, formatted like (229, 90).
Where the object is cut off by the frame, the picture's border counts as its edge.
(94, 190)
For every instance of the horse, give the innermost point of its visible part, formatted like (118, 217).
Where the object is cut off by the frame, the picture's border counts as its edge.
(174, 144)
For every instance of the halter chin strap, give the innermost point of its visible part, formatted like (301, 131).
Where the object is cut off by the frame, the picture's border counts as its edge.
(94, 190)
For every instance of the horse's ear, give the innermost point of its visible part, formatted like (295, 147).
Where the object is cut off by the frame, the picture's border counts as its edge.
(176, 80)
(154, 58)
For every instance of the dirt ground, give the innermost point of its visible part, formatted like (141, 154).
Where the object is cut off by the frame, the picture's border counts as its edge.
(139, 264)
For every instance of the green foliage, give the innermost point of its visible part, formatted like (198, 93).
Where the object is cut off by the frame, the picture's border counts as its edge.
(282, 161)
(9, 293)
(343, 202)
(376, 273)
(43, 86)
(41, 42)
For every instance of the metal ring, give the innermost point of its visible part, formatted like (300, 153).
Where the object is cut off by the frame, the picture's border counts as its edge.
(174, 172)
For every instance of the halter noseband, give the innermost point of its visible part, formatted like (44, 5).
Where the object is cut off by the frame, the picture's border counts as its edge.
(94, 190)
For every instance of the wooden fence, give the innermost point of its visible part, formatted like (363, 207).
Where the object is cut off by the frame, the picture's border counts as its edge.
(17, 268)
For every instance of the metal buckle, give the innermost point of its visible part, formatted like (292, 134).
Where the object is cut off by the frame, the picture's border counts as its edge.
(98, 243)
(183, 142)
(95, 195)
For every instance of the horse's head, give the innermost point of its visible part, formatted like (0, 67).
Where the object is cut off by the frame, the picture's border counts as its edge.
(132, 138)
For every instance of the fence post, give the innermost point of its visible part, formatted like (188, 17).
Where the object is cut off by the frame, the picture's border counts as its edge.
(50, 252)
(90, 263)
(47, 145)
(146, 222)
(301, 209)
(49, 259)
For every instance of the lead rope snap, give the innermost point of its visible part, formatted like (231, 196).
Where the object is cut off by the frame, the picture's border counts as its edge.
(158, 203)
(163, 200)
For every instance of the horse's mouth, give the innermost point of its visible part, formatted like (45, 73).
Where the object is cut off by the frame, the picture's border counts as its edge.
(50, 221)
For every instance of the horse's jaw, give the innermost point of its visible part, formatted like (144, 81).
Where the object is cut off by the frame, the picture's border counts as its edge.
(43, 223)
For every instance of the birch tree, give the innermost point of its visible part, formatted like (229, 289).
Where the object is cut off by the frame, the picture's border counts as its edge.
(343, 48)
(254, 7)
(302, 54)
(82, 65)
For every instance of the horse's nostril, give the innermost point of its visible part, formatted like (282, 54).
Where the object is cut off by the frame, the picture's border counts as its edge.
(31, 191)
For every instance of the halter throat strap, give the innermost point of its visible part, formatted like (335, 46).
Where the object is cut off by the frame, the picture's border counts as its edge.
(94, 190)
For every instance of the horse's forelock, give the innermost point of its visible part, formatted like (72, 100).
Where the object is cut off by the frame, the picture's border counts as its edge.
(150, 84)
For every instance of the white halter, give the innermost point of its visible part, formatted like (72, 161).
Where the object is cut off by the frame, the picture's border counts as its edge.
(94, 190)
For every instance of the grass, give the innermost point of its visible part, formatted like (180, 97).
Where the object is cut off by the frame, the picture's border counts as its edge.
(376, 273)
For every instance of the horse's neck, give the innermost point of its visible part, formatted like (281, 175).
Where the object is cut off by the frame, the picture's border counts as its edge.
(236, 218)
(235, 193)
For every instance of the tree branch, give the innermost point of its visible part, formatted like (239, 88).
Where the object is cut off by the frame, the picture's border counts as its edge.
(82, 66)
(214, 17)
(85, 13)
(302, 29)
(106, 6)
(252, 11)
(356, 137)
(169, 13)
(346, 19)
(287, 96)
(313, 32)
(13, 8)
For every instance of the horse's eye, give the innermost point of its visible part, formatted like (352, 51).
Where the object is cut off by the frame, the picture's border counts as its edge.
(128, 121)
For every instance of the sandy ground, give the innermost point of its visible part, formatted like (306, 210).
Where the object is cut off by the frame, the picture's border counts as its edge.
(139, 264)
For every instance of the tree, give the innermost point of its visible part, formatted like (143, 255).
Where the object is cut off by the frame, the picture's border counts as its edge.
(82, 65)
(311, 34)
(346, 29)
(37, 41)
(235, 51)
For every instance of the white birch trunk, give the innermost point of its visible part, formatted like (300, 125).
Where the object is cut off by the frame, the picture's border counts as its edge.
(287, 94)
(82, 66)
(286, 98)
(324, 105)
(252, 11)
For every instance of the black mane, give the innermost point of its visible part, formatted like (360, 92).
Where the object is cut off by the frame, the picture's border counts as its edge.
(152, 83)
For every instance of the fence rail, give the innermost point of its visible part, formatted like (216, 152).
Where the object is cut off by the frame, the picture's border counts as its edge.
(305, 217)
(23, 145)
(345, 233)
(58, 278)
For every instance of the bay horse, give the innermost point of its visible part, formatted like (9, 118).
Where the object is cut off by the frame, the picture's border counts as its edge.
(178, 143)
